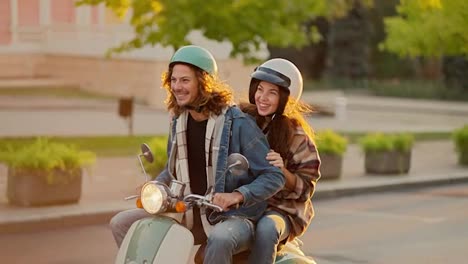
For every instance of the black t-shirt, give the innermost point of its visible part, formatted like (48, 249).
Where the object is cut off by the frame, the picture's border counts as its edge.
(197, 169)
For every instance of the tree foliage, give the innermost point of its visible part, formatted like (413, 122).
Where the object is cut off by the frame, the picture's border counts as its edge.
(246, 24)
(430, 28)
(349, 40)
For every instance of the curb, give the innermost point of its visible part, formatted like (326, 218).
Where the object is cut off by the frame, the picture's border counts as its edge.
(405, 109)
(37, 83)
(52, 223)
(329, 109)
(389, 104)
(389, 185)
(60, 217)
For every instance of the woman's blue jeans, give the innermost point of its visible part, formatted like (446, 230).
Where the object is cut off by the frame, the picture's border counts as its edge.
(227, 238)
(271, 229)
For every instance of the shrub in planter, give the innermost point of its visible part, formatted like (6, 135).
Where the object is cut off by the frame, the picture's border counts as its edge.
(387, 153)
(460, 138)
(331, 147)
(45, 173)
(158, 146)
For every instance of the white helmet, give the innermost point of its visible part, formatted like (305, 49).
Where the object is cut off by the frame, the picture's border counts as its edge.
(281, 72)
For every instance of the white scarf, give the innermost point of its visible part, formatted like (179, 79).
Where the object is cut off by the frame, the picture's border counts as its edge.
(214, 129)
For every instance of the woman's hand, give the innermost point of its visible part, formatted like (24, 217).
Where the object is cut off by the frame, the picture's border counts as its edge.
(275, 159)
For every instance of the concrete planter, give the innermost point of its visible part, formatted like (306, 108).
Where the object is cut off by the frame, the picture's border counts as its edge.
(387, 162)
(463, 158)
(31, 188)
(331, 166)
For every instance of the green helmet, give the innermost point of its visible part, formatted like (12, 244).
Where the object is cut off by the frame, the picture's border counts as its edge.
(196, 56)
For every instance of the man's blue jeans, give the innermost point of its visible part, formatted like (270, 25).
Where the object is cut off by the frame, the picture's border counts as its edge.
(271, 229)
(227, 238)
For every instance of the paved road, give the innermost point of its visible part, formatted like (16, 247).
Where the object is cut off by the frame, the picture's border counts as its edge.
(423, 226)
(388, 120)
(35, 115)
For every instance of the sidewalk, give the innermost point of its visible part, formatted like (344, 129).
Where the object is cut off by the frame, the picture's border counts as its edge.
(115, 178)
(81, 117)
(433, 163)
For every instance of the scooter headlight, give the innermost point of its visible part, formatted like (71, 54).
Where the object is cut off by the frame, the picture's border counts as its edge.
(153, 198)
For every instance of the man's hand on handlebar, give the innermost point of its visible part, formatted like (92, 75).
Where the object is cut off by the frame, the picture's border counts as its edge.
(228, 200)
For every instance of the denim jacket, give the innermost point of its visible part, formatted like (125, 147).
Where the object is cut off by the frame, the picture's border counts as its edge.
(240, 135)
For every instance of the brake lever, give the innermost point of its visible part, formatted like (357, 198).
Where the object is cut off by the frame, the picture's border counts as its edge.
(213, 206)
(131, 197)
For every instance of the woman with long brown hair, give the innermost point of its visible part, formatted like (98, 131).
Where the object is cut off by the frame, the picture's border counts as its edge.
(274, 93)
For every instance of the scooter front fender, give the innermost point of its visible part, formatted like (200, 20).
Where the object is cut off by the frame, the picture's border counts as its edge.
(156, 239)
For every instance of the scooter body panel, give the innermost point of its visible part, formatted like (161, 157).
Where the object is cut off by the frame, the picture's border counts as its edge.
(156, 239)
(292, 254)
(290, 258)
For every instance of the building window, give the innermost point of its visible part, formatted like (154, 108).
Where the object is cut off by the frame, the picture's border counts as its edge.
(5, 22)
(63, 11)
(28, 12)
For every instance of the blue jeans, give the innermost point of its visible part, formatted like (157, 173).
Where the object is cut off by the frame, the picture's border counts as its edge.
(227, 238)
(271, 229)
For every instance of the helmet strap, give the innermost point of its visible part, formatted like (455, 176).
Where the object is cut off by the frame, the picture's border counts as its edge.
(267, 128)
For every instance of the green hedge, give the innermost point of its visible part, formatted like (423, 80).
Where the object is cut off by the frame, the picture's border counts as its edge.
(376, 142)
(460, 138)
(330, 142)
(158, 146)
(42, 154)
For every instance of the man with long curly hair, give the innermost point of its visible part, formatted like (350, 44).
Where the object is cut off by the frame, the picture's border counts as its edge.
(205, 129)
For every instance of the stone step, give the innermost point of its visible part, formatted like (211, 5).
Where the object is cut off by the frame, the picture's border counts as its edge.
(40, 82)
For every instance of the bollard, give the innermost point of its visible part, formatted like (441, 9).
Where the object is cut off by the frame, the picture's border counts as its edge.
(340, 107)
(126, 111)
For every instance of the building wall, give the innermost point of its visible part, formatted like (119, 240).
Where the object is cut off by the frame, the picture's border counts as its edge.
(53, 38)
(117, 77)
(130, 78)
(5, 22)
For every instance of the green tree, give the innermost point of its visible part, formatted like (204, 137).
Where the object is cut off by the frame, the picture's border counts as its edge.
(246, 24)
(434, 29)
(348, 42)
(429, 28)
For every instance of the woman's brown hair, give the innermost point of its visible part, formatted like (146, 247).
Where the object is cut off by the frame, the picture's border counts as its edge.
(280, 130)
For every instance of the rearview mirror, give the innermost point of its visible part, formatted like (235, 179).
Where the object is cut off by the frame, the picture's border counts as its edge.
(146, 152)
(237, 164)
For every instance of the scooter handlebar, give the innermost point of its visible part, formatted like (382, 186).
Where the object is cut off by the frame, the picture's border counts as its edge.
(201, 201)
(215, 207)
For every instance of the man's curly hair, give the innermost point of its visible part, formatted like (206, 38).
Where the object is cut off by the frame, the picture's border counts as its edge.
(214, 95)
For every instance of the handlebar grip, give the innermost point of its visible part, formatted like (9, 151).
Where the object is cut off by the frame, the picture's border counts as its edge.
(215, 207)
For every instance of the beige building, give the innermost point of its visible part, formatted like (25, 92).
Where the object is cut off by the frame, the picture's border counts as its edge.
(55, 39)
